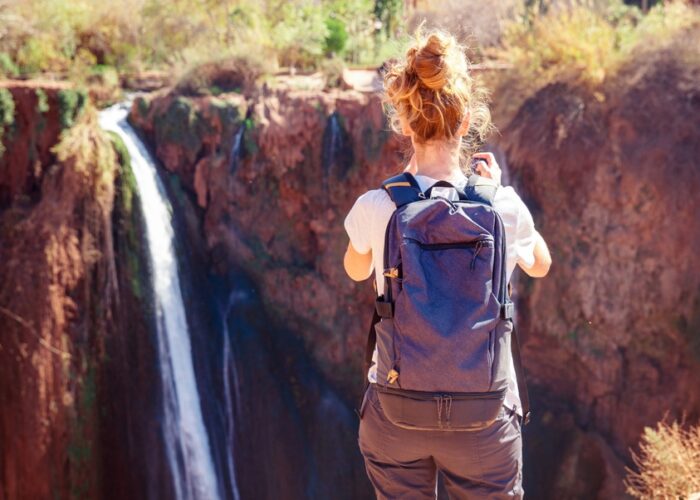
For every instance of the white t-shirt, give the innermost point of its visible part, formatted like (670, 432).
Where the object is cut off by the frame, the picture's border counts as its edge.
(366, 226)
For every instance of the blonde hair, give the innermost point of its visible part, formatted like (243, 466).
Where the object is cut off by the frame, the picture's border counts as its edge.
(432, 89)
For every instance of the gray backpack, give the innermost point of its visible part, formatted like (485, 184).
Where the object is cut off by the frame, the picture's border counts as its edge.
(444, 326)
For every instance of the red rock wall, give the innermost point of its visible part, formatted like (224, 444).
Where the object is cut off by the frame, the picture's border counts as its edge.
(28, 139)
(280, 212)
(612, 334)
(65, 418)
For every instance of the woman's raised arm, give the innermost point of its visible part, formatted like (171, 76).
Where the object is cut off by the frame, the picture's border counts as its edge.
(543, 260)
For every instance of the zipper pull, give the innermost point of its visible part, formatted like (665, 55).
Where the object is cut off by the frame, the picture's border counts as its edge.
(479, 244)
(392, 377)
(392, 272)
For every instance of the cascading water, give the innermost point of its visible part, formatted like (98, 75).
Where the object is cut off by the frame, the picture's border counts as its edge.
(330, 147)
(236, 149)
(337, 156)
(184, 432)
(230, 373)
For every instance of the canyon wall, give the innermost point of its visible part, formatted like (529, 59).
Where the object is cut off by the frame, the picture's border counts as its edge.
(260, 184)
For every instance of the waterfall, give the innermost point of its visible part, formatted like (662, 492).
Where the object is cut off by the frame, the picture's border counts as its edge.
(236, 149)
(184, 433)
(329, 149)
(332, 142)
(337, 156)
(230, 372)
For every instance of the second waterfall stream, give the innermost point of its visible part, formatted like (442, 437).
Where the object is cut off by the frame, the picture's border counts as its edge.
(186, 441)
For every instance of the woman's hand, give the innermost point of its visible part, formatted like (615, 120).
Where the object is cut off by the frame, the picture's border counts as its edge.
(487, 166)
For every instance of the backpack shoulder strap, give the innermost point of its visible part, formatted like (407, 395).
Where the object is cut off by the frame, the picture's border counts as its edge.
(507, 313)
(403, 188)
(369, 351)
(480, 189)
(520, 375)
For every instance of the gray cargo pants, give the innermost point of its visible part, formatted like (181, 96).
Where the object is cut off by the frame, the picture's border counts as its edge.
(403, 463)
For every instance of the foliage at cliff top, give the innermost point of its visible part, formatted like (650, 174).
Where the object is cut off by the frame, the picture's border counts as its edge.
(587, 47)
(95, 42)
(82, 39)
(667, 464)
(88, 150)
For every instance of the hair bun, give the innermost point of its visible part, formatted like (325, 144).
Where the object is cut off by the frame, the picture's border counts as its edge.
(428, 62)
(431, 92)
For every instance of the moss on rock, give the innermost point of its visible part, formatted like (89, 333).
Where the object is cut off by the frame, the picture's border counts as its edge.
(179, 125)
(128, 205)
(71, 103)
(7, 115)
(42, 102)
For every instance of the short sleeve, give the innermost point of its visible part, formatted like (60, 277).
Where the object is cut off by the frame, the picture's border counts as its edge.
(525, 235)
(356, 222)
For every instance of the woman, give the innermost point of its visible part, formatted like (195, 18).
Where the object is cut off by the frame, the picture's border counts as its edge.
(433, 100)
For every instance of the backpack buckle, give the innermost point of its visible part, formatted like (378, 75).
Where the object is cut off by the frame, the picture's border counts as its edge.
(507, 310)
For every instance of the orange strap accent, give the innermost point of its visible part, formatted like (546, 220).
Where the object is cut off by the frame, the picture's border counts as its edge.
(392, 184)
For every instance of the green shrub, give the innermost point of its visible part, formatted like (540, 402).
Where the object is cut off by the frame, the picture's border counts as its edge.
(71, 104)
(103, 74)
(298, 32)
(8, 68)
(42, 102)
(40, 55)
(7, 115)
(337, 36)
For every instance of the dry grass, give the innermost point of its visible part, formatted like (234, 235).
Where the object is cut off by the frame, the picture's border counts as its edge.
(668, 463)
(581, 46)
(230, 74)
(475, 23)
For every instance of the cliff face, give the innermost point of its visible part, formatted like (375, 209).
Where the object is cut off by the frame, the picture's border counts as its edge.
(273, 177)
(266, 182)
(52, 230)
(60, 302)
(610, 336)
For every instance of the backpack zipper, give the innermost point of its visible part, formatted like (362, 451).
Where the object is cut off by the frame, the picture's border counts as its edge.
(458, 244)
(477, 244)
